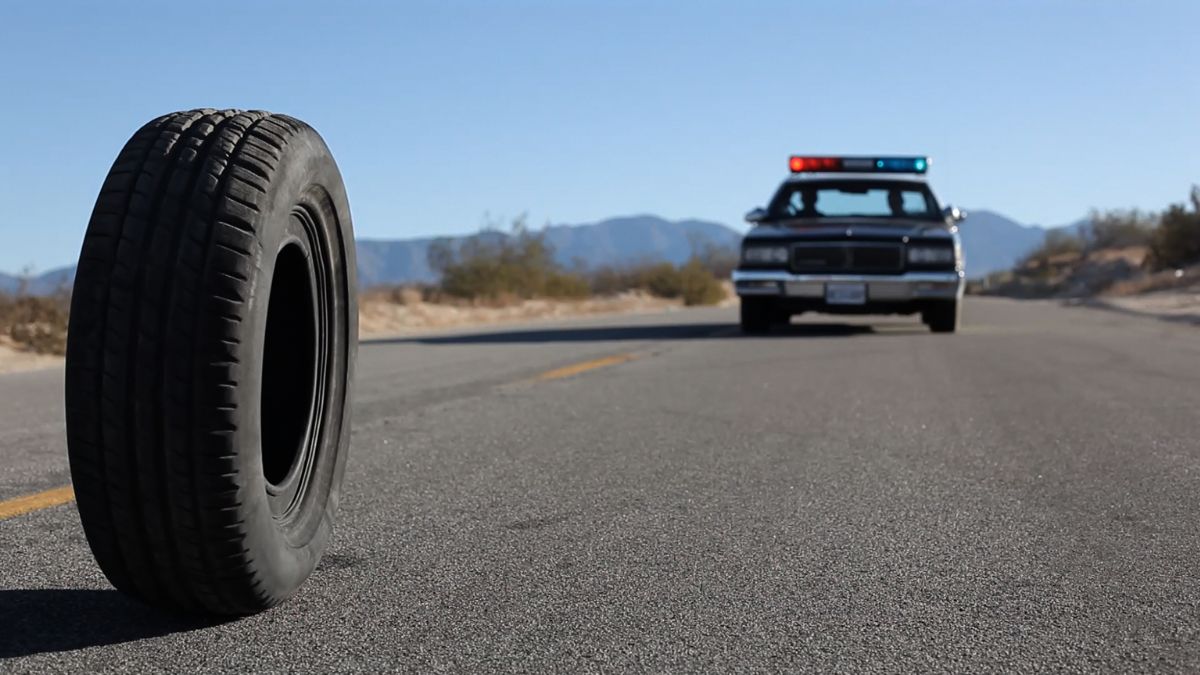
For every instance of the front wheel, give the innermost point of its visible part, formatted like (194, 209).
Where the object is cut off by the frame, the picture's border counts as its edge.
(943, 317)
(756, 315)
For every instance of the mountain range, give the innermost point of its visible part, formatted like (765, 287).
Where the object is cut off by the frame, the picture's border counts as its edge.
(613, 242)
(45, 283)
(991, 242)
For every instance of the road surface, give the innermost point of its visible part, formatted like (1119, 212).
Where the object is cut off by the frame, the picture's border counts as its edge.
(658, 492)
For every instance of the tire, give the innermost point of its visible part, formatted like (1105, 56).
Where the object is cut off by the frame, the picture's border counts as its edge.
(210, 355)
(756, 315)
(943, 317)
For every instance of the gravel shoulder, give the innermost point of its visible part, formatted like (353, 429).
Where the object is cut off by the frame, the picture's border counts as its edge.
(14, 359)
(1178, 305)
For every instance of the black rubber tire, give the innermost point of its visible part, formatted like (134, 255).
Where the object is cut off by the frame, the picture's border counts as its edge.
(210, 355)
(942, 317)
(757, 315)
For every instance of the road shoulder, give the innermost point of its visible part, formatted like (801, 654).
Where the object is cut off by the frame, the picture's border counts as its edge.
(13, 360)
(1176, 306)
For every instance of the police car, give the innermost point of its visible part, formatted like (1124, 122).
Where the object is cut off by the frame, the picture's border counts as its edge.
(852, 235)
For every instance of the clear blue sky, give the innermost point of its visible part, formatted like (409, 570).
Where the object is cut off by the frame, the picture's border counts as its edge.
(444, 113)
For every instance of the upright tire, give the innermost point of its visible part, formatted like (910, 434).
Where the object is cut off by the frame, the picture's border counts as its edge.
(210, 356)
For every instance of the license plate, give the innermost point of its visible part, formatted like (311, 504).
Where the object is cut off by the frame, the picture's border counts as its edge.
(846, 294)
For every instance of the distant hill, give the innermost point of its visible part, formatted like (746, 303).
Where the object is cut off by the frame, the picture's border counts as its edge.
(40, 284)
(992, 242)
(623, 240)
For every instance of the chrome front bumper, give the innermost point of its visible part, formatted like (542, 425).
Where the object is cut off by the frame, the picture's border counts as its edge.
(880, 288)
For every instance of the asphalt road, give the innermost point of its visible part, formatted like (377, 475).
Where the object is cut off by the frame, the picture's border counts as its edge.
(857, 495)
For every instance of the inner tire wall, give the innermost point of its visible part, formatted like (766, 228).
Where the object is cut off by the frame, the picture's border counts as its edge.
(164, 359)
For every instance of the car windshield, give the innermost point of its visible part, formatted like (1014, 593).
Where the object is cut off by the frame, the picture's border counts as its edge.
(854, 198)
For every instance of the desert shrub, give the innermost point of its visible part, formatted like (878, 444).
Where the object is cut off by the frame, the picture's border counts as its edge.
(1119, 229)
(693, 282)
(720, 261)
(656, 278)
(610, 281)
(1176, 240)
(396, 295)
(494, 265)
(37, 323)
(566, 286)
(661, 279)
(698, 284)
(1056, 243)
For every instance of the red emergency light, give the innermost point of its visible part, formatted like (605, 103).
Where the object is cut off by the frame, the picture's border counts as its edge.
(801, 164)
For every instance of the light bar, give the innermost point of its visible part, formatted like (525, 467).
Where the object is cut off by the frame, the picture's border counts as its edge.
(801, 164)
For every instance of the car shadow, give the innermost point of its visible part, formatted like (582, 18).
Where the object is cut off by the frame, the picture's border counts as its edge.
(40, 621)
(694, 331)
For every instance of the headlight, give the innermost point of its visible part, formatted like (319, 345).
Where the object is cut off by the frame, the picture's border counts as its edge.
(930, 255)
(765, 254)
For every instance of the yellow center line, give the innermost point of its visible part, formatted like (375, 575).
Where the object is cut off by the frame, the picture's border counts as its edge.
(583, 366)
(34, 502)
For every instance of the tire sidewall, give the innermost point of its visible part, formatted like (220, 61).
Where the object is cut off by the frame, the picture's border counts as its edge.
(285, 553)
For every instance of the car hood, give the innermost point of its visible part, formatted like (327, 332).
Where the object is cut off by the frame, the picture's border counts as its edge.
(852, 229)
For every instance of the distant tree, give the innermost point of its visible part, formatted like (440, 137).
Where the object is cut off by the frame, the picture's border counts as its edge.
(37, 322)
(496, 265)
(1176, 241)
(698, 286)
(25, 281)
(1119, 229)
(661, 279)
(718, 260)
(1057, 242)
(440, 255)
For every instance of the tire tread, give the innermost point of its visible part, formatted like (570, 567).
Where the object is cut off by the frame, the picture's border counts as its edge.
(145, 439)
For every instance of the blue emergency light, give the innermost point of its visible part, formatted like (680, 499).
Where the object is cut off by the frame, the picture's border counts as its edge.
(804, 164)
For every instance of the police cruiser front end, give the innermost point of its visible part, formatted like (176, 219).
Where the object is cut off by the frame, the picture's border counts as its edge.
(852, 235)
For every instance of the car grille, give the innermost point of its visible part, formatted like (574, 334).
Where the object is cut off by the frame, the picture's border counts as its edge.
(848, 257)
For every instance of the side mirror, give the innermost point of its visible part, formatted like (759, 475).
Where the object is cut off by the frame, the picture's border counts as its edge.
(954, 214)
(756, 216)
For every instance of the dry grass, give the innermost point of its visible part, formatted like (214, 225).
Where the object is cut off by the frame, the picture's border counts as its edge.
(14, 358)
(1181, 279)
(1071, 274)
(406, 310)
(1178, 303)
(1136, 256)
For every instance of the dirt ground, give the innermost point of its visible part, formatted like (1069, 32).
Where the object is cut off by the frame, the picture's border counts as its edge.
(378, 317)
(14, 359)
(1179, 304)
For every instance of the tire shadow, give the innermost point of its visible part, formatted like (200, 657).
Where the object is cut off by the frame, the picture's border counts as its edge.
(53, 620)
